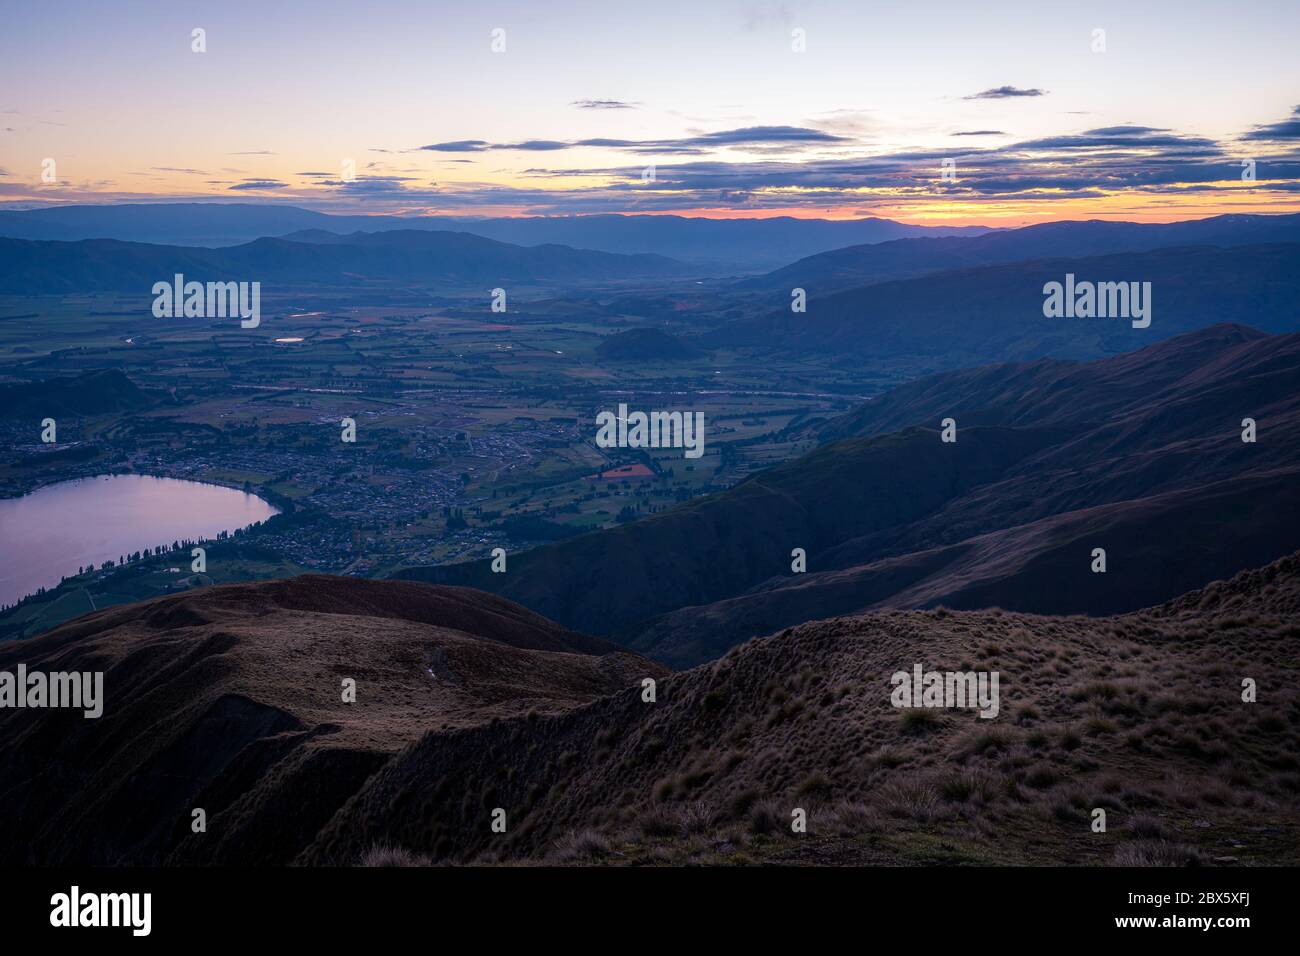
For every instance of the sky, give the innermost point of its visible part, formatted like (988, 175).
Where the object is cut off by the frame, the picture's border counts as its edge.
(930, 112)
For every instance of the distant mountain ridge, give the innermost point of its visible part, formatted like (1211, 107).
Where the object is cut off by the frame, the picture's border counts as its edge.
(994, 313)
(411, 256)
(721, 245)
(905, 258)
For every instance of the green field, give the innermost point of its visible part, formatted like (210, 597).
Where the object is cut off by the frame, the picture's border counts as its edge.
(467, 422)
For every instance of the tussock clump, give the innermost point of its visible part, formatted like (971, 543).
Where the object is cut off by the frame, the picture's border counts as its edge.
(911, 800)
(920, 720)
(386, 856)
(694, 817)
(657, 820)
(740, 804)
(1027, 713)
(583, 845)
(816, 783)
(982, 743)
(852, 819)
(766, 818)
(1146, 827)
(1041, 776)
(1156, 853)
(969, 786)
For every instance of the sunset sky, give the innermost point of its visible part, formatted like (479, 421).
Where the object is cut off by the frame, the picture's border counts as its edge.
(585, 96)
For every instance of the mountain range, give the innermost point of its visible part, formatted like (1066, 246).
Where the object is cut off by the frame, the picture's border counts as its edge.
(1140, 454)
(481, 733)
(974, 316)
(417, 257)
(720, 245)
(904, 258)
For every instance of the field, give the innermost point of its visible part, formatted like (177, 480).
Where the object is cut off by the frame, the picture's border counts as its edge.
(474, 429)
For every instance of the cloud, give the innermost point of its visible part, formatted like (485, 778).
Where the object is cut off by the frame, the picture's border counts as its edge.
(745, 136)
(366, 186)
(479, 145)
(1146, 137)
(459, 146)
(260, 184)
(1004, 92)
(535, 145)
(604, 105)
(766, 134)
(1288, 128)
(752, 168)
(1094, 163)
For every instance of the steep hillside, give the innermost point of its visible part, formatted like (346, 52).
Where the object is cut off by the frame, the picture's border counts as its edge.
(1049, 391)
(958, 319)
(1140, 454)
(230, 699)
(610, 581)
(1155, 547)
(1139, 715)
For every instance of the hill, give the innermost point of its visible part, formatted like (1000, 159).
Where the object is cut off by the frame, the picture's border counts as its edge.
(726, 245)
(1140, 454)
(430, 258)
(904, 258)
(98, 392)
(1139, 715)
(229, 699)
(995, 313)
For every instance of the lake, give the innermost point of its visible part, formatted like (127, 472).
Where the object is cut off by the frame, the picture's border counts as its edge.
(48, 533)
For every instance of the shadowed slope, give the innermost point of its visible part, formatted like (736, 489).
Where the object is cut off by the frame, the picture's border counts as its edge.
(994, 314)
(1141, 454)
(716, 546)
(902, 258)
(230, 699)
(1140, 715)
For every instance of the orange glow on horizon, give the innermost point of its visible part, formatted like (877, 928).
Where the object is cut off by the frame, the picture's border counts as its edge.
(1209, 199)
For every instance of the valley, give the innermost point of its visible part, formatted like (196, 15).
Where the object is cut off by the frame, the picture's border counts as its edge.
(474, 430)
